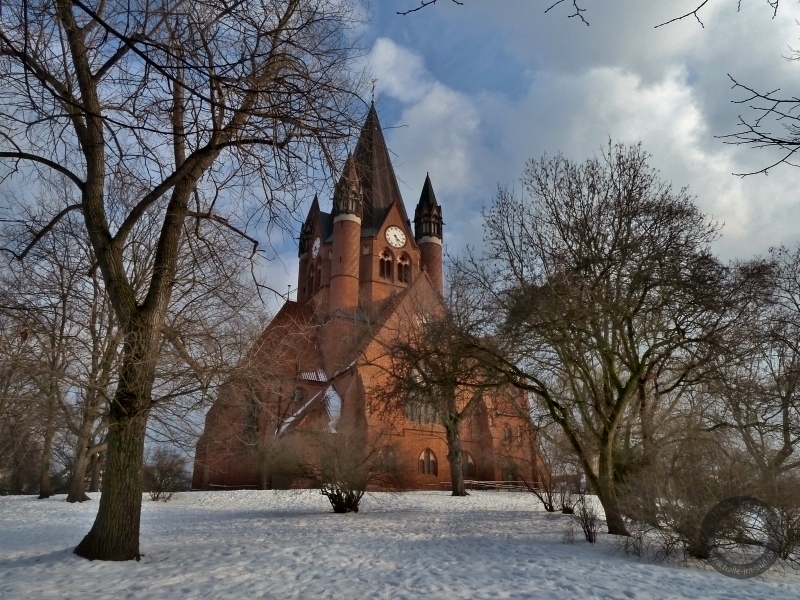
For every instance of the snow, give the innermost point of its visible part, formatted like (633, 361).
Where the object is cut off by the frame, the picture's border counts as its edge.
(270, 544)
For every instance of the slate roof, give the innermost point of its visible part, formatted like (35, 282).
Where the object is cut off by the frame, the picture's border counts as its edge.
(377, 174)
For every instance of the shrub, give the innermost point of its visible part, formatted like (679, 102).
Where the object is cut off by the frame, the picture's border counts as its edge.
(346, 462)
(165, 472)
(587, 518)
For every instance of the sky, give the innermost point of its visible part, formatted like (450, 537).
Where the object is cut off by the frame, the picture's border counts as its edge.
(469, 93)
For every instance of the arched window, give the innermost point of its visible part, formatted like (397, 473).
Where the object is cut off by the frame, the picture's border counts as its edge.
(404, 269)
(427, 463)
(311, 289)
(506, 434)
(467, 465)
(385, 265)
(319, 275)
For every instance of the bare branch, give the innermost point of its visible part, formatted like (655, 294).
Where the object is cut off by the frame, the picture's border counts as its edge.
(42, 232)
(578, 10)
(48, 163)
(769, 108)
(691, 13)
(423, 4)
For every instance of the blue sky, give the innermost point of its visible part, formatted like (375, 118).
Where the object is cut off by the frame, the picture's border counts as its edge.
(469, 93)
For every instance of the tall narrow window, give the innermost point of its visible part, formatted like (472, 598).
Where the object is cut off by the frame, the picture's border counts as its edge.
(467, 465)
(385, 265)
(404, 269)
(311, 289)
(319, 275)
(506, 434)
(427, 463)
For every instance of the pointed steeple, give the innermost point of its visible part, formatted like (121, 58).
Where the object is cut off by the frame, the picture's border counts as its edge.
(428, 215)
(348, 198)
(378, 180)
(308, 226)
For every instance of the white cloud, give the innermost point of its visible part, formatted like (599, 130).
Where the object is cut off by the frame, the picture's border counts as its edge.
(400, 73)
(440, 126)
(469, 143)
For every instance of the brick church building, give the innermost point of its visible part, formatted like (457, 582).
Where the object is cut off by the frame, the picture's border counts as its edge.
(363, 271)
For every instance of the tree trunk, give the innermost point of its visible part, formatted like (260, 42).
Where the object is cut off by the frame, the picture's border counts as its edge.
(115, 533)
(607, 495)
(77, 485)
(94, 482)
(45, 490)
(454, 458)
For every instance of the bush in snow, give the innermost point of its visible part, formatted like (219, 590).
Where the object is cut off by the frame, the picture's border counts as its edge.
(566, 498)
(346, 462)
(165, 472)
(586, 516)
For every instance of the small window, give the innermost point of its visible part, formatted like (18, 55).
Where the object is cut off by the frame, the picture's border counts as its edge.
(387, 458)
(427, 463)
(520, 434)
(385, 265)
(509, 475)
(404, 269)
(506, 434)
(298, 396)
(467, 465)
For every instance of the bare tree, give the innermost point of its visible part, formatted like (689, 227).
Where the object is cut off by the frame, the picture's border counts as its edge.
(435, 368)
(758, 386)
(42, 295)
(606, 295)
(199, 104)
(19, 443)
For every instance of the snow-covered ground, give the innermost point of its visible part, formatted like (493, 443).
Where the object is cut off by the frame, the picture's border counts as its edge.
(251, 544)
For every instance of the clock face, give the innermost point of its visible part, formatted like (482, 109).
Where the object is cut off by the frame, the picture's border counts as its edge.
(315, 248)
(396, 237)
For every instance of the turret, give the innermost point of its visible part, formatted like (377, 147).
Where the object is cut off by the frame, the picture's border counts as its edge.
(307, 269)
(348, 201)
(428, 233)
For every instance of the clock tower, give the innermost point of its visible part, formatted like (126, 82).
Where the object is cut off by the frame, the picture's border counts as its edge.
(362, 254)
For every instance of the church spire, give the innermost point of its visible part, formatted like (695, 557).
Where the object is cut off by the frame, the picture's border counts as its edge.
(428, 226)
(378, 181)
(428, 215)
(348, 198)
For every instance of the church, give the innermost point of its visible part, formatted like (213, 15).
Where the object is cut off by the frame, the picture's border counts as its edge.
(363, 270)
